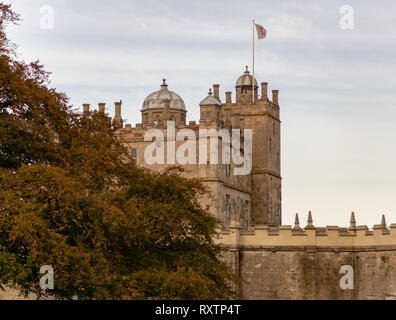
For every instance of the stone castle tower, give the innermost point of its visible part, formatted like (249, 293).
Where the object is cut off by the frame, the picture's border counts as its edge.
(245, 200)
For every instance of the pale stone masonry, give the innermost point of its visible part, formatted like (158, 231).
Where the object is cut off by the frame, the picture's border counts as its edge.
(244, 199)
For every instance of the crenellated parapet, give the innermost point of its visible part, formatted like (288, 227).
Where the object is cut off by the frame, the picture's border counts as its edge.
(333, 238)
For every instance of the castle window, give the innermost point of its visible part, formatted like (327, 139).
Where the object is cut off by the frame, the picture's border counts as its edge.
(172, 118)
(207, 115)
(134, 156)
(228, 207)
(228, 170)
(157, 117)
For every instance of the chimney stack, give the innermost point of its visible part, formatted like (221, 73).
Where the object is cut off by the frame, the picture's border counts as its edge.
(117, 120)
(275, 95)
(86, 109)
(102, 108)
(264, 91)
(216, 95)
(228, 97)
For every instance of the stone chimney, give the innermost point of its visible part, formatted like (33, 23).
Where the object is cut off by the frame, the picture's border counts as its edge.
(216, 90)
(275, 95)
(228, 97)
(102, 108)
(86, 109)
(117, 120)
(264, 91)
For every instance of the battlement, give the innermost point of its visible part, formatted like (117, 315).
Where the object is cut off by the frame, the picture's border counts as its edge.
(294, 238)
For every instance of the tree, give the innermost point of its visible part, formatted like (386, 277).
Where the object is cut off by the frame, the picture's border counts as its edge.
(71, 198)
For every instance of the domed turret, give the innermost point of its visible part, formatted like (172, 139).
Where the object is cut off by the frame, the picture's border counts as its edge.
(156, 99)
(244, 87)
(163, 105)
(210, 108)
(246, 79)
(210, 100)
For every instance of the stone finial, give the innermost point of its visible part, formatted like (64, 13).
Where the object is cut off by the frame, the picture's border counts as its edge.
(310, 221)
(383, 222)
(247, 70)
(382, 225)
(297, 224)
(164, 85)
(352, 225)
(210, 91)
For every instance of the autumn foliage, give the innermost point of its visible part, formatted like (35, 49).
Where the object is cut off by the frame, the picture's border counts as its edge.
(69, 198)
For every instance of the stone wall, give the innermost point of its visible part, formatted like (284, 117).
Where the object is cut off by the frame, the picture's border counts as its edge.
(301, 274)
(295, 263)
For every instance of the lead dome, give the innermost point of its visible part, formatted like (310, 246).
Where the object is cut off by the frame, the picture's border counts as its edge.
(246, 79)
(156, 99)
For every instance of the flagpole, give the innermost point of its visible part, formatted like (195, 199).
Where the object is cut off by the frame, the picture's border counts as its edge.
(253, 65)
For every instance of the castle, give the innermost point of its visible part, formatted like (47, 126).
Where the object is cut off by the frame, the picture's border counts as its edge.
(274, 261)
(246, 200)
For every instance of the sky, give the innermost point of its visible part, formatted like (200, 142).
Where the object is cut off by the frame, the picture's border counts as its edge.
(337, 86)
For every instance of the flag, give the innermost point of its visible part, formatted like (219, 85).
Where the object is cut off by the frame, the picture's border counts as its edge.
(261, 32)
